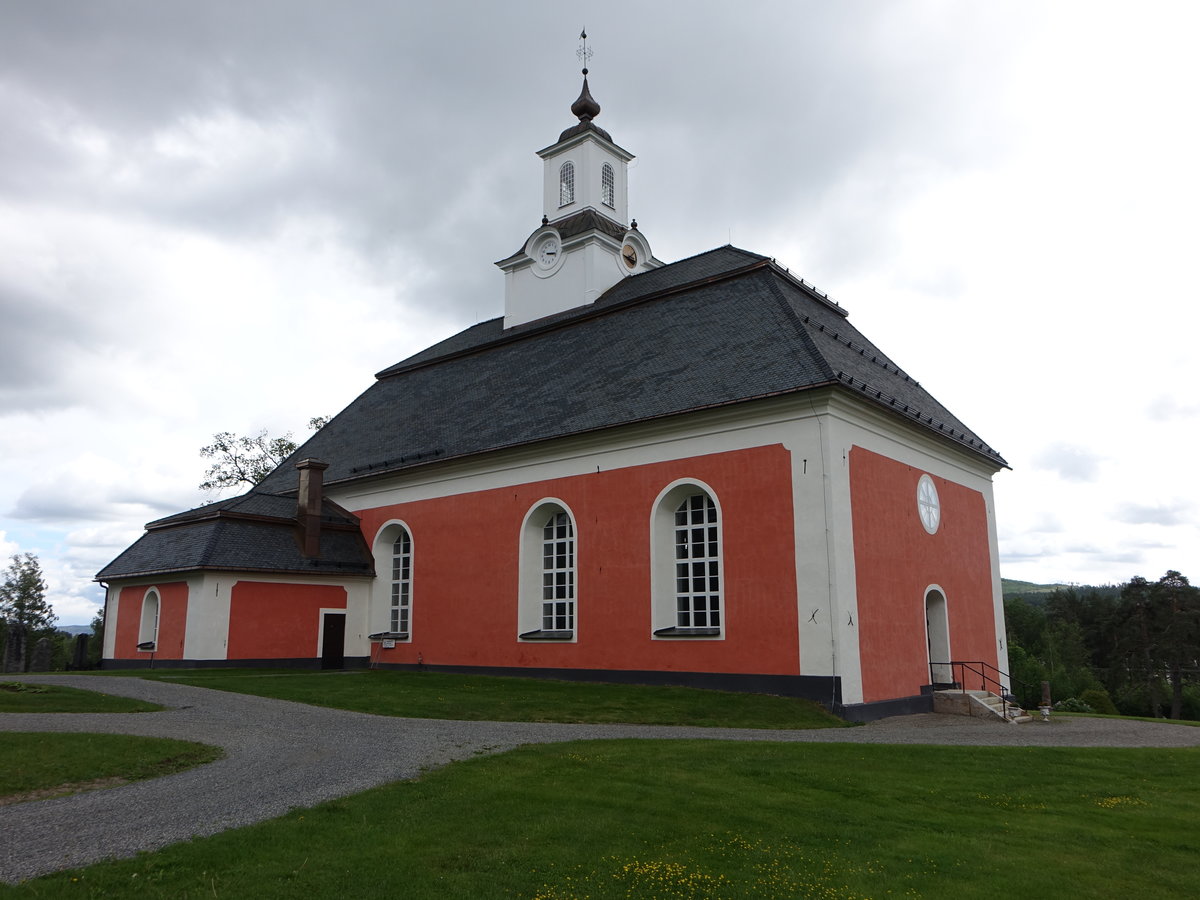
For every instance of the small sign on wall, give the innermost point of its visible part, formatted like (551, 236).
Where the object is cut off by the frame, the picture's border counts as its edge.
(389, 644)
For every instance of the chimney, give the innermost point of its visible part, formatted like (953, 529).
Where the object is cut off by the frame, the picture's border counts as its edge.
(308, 505)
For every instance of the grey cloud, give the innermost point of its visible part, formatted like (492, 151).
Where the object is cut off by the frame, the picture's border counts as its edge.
(1070, 461)
(36, 339)
(388, 166)
(1164, 408)
(1176, 512)
(68, 499)
(1022, 555)
(1048, 523)
(1129, 558)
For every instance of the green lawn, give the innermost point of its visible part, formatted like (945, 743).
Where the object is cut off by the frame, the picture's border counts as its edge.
(1093, 715)
(608, 819)
(53, 764)
(440, 695)
(24, 696)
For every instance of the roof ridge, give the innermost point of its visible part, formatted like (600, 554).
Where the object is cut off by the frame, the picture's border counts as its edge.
(801, 331)
(587, 312)
(971, 439)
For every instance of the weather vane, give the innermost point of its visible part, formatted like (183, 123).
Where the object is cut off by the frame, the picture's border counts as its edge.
(584, 52)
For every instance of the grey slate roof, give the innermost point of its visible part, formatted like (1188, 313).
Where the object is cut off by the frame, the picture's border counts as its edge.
(722, 327)
(255, 532)
(719, 328)
(584, 220)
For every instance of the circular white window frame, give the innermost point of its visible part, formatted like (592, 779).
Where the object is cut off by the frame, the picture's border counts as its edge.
(929, 507)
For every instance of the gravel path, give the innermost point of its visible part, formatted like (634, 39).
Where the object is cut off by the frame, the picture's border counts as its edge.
(282, 755)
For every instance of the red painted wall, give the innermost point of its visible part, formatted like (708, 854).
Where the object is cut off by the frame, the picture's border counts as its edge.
(172, 621)
(896, 559)
(465, 570)
(279, 621)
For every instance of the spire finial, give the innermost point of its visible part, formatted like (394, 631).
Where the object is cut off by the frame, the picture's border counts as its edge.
(584, 52)
(585, 108)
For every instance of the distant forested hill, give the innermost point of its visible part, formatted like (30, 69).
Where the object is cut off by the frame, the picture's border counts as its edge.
(1014, 588)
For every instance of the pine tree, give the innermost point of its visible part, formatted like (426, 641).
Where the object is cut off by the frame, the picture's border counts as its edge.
(23, 596)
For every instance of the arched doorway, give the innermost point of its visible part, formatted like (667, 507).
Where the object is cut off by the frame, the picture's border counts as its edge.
(937, 634)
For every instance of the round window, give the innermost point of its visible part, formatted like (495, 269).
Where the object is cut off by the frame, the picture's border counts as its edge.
(928, 505)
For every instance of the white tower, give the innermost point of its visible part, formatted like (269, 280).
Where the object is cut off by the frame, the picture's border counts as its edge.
(584, 246)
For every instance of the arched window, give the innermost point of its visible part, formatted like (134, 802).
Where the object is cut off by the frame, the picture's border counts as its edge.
(148, 626)
(687, 582)
(697, 563)
(392, 596)
(608, 187)
(937, 636)
(558, 573)
(547, 590)
(566, 183)
(401, 594)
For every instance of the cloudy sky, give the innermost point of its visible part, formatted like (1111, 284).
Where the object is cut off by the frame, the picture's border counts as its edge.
(227, 215)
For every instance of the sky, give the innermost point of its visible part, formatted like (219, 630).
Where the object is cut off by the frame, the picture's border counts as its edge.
(227, 216)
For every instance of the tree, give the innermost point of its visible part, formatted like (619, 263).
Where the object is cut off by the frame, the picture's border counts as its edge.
(243, 460)
(96, 644)
(247, 459)
(1161, 635)
(23, 596)
(1178, 613)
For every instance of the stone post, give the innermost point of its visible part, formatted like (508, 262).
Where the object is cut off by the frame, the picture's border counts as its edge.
(43, 652)
(79, 656)
(14, 648)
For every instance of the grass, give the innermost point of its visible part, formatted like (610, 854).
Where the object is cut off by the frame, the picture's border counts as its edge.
(1095, 715)
(441, 695)
(710, 819)
(23, 696)
(40, 765)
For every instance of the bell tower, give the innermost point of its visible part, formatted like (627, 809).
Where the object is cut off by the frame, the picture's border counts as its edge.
(586, 243)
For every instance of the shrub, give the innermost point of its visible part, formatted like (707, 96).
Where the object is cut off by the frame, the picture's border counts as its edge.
(1191, 702)
(1099, 701)
(1072, 704)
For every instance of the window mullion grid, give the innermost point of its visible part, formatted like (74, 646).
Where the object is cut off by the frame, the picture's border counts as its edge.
(697, 564)
(401, 583)
(558, 574)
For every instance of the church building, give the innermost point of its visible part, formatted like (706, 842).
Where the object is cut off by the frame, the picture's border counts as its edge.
(694, 473)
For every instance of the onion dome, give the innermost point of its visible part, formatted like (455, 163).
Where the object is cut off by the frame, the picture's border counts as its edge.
(585, 108)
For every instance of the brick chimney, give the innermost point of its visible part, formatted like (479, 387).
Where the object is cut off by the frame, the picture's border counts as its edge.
(308, 505)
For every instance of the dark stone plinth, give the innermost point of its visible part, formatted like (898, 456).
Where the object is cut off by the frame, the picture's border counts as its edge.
(14, 648)
(43, 653)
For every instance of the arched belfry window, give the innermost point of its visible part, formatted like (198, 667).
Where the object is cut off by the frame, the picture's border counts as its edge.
(608, 186)
(566, 183)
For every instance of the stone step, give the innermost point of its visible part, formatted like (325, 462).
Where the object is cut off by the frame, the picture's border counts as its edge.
(979, 703)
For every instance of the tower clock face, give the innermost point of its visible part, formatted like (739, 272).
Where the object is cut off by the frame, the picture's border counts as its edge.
(629, 255)
(547, 253)
(928, 505)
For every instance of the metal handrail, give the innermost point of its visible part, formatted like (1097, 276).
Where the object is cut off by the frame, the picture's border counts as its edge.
(980, 669)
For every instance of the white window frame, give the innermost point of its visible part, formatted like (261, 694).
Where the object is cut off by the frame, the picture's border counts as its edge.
(385, 612)
(667, 618)
(608, 186)
(566, 184)
(936, 608)
(148, 621)
(533, 605)
(400, 594)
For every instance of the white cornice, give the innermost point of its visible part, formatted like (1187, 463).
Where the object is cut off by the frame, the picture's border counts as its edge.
(576, 139)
